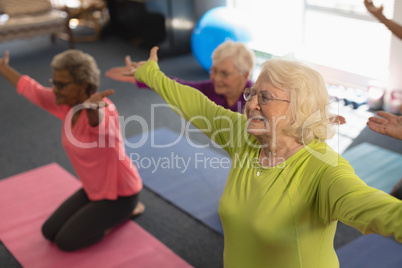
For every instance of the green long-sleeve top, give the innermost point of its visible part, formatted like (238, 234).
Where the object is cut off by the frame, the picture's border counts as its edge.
(284, 216)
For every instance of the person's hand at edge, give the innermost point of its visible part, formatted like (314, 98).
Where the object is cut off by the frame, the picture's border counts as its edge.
(376, 11)
(387, 124)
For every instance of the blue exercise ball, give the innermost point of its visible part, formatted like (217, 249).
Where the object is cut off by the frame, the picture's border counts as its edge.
(216, 26)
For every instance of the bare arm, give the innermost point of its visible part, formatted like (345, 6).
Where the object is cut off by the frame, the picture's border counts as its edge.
(394, 27)
(7, 71)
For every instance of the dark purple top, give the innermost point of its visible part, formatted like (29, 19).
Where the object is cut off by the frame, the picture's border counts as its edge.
(207, 87)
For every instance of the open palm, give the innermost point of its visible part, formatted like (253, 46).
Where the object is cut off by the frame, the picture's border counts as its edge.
(386, 124)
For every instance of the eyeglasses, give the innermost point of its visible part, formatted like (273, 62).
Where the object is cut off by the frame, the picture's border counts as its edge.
(263, 96)
(223, 74)
(60, 85)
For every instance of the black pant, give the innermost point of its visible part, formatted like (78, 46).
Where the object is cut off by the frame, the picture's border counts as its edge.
(79, 222)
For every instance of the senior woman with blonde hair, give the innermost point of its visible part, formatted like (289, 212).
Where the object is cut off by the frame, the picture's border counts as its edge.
(92, 140)
(287, 188)
(232, 66)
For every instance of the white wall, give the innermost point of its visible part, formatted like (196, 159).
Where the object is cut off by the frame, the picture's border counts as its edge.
(278, 27)
(391, 77)
(395, 62)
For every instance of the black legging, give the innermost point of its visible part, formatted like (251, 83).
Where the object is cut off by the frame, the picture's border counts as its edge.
(79, 222)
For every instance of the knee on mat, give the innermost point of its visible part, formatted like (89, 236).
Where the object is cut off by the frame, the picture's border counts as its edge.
(65, 244)
(47, 233)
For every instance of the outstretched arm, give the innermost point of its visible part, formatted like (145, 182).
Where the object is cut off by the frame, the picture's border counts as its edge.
(387, 124)
(7, 71)
(192, 105)
(394, 27)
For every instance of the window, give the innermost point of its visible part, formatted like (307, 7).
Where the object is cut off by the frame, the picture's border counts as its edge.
(341, 34)
(340, 37)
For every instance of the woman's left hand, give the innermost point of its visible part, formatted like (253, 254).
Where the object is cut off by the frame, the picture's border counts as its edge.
(92, 105)
(95, 101)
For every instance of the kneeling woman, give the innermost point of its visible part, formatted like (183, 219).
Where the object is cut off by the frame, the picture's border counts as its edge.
(93, 142)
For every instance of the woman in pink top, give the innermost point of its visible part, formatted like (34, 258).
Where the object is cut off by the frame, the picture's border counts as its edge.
(93, 142)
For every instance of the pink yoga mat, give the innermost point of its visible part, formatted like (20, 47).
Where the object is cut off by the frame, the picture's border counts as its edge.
(28, 199)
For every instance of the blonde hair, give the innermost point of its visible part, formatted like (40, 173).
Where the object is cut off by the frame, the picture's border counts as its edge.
(308, 114)
(243, 58)
(81, 66)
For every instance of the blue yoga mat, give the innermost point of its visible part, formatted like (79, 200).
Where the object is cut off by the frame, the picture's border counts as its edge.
(182, 172)
(381, 169)
(371, 251)
(378, 167)
(192, 176)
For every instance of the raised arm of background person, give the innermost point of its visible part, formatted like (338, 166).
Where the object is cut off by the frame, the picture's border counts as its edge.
(7, 71)
(394, 27)
(387, 124)
(218, 123)
(122, 74)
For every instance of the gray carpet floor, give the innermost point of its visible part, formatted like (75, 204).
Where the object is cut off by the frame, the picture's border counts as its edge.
(30, 137)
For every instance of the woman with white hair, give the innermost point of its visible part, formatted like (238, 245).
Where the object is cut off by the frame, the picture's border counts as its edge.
(232, 66)
(287, 188)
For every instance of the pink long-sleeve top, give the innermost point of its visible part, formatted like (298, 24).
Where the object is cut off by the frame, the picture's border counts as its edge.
(96, 153)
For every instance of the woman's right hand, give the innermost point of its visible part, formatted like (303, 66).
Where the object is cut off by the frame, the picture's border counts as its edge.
(4, 61)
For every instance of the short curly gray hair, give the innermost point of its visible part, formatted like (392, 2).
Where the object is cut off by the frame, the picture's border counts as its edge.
(242, 56)
(81, 66)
